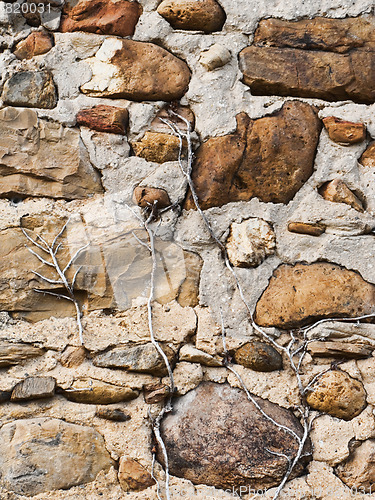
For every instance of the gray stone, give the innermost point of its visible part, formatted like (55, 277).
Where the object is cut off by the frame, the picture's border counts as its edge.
(32, 89)
(12, 353)
(216, 436)
(43, 454)
(142, 359)
(34, 388)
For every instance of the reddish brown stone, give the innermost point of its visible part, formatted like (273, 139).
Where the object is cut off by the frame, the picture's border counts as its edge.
(205, 15)
(344, 132)
(145, 197)
(269, 158)
(155, 392)
(337, 191)
(35, 44)
(279, 64)
(105, 17)
(105, 119)
(301, 294)
(306, 228)
(132, 476)
(368, 157)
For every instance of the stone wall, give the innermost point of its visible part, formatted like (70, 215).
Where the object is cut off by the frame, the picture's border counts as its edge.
(252, 279)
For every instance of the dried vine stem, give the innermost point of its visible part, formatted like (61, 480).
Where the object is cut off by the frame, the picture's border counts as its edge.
(168, 405)
(52, 252)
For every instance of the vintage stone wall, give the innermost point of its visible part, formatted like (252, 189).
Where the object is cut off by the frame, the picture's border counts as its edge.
(263, 305)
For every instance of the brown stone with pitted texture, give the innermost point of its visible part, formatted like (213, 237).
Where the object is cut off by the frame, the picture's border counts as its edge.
(301, 294)
(337, 191)
(216, 436)
(344, 132)
(269, 158)
(368, 157)
(146, 197)
(311, 229)
(105, 119)
(132, 476)
(105, 17)
(205, 15)
(338, 394)
(158, 147)
(258, 356)
(35, 44)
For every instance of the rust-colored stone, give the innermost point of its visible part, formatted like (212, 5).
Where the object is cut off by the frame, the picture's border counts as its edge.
(145, 197)
(368, 157)
(301, 294)
(344, 132)
(105, 17)
(205, 15)
(105, 119)
(216, 436)
(35, 44)
(132, 476)
(269, 158)
(337, 191)
(158, 147)
(311, 229)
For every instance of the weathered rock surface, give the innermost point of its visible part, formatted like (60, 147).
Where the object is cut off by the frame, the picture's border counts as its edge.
(113, 414)
(137, 71)
(338, 394)
(258, 356)
(91, 391)
(34, 388)
(194, 355)
(359, 470)
(43, 158)
(269, 158)
(301, 294)
(132, 476)
(105, 17)
(217, 437)
(142, 359)
(368, 157)
(146, 197)
(206, 15)
(12, 353)
(37, 43)
(285, 59)
(155, 392)
(344, 132)
(215, 57)
(306, 228)
(42, 454)
(73, 356)
(339, 350)
(31, 89)
(105, 119)
(156, 146)
(250, 242)
(337, 191)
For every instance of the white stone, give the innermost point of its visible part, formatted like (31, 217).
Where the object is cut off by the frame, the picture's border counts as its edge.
(215, 57)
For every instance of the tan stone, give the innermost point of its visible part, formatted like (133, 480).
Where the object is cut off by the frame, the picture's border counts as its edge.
(12, 353)
(300, 294)
(73, 356)
(137, 71)
(105, 17)
(186, 376)
(43, 158)
(339, 350)
(359, 470)
(34, 388)
(215, 57)
(331, 439)
(105, 119)
(56, 455)
(338, 394)
(169, 112)
(37, 43)
(146, 197)
(193, 355)
(250, 242)
(91, 391)
(205, 15)
(368, 157)
(337, 191)
(344, 132)
(269, 158)
(158, 147)
(132, 476)
(188, 295)
(311, 229)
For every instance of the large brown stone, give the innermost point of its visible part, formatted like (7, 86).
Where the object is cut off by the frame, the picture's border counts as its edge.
(35, 44)
(105, 119)
(269, 158)
(301, 294)
(206, 15)
(216, 436)
(137, 71)
(42, 158)
(105, 17)
(308, 59)
(44, 454)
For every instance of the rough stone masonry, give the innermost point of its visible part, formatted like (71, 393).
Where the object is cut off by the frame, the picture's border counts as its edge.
(279, 101)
